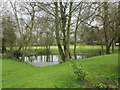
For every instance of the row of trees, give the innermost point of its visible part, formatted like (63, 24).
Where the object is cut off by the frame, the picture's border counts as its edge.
(41, 23)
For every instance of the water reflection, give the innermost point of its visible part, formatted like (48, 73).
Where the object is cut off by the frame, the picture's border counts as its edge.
(45, 60)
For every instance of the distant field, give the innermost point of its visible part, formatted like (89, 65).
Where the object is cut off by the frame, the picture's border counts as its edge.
(80, 48)
(72, 47)
(22, 75)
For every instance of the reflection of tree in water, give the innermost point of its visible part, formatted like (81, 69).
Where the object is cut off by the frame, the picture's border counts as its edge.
(36, 58)
(30, 59)
(22, 58)
(47, 58)
(51, 58)
(42, 58)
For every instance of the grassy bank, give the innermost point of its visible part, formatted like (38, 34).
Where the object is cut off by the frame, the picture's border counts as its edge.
(101, 69)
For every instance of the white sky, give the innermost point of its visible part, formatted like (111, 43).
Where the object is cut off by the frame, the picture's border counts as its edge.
(62, 0)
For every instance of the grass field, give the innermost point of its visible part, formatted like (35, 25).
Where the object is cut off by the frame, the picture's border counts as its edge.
(101, 69)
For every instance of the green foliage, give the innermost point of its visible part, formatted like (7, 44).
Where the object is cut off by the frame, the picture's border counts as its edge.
(101, 85)
(8, 29)
(0, 74)
(43, 52)
(78, 70)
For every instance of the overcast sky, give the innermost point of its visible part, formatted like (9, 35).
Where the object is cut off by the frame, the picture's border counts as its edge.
(62, 0)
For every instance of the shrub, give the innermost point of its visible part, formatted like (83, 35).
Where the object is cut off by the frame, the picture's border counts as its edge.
(101, 85)
(78, 70)
(43, 52)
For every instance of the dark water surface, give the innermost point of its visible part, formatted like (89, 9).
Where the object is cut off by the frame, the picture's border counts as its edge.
(45, 60)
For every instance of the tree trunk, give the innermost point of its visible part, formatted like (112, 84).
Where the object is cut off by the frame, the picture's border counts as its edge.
(18, 24)
(119, 25)
(75, 35)
(20, 47)
(113, 48)
(36, 48)
(75, 42)
(3, 46)
(63, 28)
(3, 49)
(57, 32)
(107, 44)
(102, 52)
(106, 27)
(68, 30)
(108, 49)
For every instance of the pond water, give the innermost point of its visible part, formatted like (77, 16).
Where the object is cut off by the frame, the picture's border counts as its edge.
(45, 60)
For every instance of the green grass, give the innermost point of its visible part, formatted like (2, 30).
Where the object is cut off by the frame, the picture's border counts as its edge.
(0, 73)
(23, 75)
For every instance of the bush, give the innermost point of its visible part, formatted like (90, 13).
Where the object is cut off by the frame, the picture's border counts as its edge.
(78, 71)
(43, 52)
(101, 85)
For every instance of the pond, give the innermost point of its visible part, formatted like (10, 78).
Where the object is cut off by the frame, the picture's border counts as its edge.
(45, 60)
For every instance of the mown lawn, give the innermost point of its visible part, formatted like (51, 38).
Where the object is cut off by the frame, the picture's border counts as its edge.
(22, 75)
